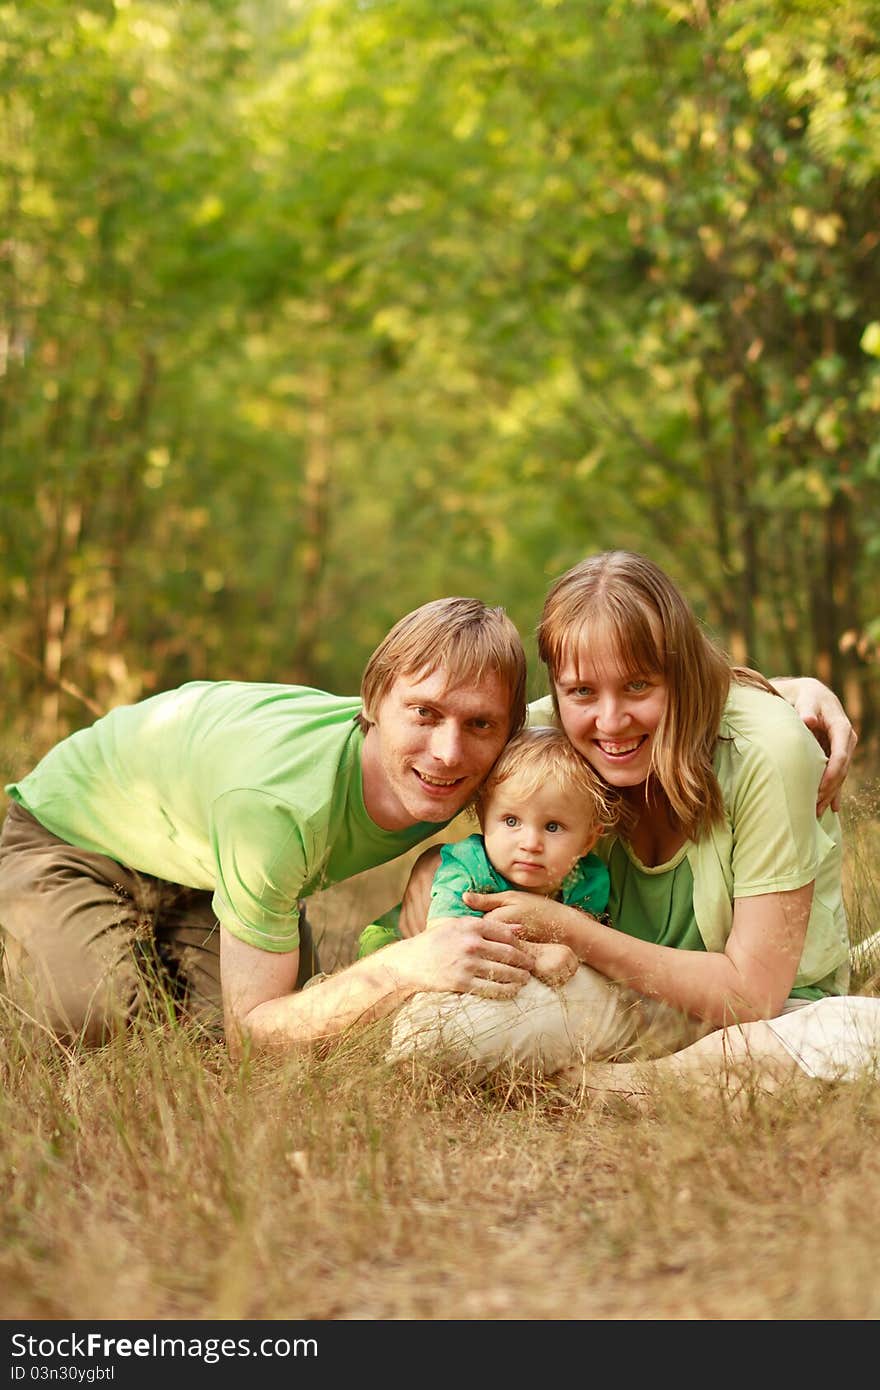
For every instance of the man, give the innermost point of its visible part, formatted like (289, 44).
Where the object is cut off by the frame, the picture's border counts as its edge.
(173, 840)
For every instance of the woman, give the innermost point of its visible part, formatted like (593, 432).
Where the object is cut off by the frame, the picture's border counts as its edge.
(726, 906)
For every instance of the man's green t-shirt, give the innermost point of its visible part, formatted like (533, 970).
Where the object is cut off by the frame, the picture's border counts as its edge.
(251, 791)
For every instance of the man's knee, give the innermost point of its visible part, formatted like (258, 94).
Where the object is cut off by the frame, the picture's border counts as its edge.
(65, 1004)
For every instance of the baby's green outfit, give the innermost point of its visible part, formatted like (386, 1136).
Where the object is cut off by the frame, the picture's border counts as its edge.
(465, 868)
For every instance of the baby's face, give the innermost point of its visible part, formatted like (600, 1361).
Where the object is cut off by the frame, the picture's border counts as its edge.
(534, 839)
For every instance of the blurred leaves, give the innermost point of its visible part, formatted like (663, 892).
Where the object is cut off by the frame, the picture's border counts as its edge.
(310, 312)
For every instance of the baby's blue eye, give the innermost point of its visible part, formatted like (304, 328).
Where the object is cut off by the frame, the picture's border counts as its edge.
(510, 821)
(552, 825)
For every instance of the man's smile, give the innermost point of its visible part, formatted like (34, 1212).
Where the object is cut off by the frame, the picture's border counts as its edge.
(442, 783)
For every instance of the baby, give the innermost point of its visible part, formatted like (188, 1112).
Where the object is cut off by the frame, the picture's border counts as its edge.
(541, 811)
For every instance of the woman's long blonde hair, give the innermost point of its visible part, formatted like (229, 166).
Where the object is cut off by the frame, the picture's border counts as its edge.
(628, 600)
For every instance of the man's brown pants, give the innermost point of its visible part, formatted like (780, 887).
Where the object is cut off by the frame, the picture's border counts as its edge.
(91, 945)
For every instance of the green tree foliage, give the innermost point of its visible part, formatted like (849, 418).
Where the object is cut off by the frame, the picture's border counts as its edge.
(311, 311)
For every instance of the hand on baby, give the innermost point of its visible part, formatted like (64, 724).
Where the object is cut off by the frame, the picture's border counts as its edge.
(534, 918)
(553, 964)
(536, 923)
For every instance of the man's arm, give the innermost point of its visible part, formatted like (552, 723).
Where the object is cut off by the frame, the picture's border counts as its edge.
(826, 718)
(259, 1005)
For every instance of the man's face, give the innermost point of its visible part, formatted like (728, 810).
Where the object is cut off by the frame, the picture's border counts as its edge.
(431, 745)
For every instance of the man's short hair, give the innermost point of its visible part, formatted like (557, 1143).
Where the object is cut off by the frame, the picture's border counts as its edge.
(460, 635)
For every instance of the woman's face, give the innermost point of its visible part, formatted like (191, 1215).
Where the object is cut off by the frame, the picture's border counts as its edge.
(610, 713)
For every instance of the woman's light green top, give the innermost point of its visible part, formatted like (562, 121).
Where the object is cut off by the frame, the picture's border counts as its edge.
(769, 767)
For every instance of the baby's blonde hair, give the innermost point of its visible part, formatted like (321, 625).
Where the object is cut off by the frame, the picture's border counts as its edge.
(543, 754)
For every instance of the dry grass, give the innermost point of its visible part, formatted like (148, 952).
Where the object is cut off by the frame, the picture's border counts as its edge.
(861, 816)
(154, 1180)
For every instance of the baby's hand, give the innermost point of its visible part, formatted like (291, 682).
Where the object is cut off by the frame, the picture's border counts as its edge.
(553, 963)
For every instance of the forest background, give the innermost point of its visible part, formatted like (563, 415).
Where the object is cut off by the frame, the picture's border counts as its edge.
(312, 310)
